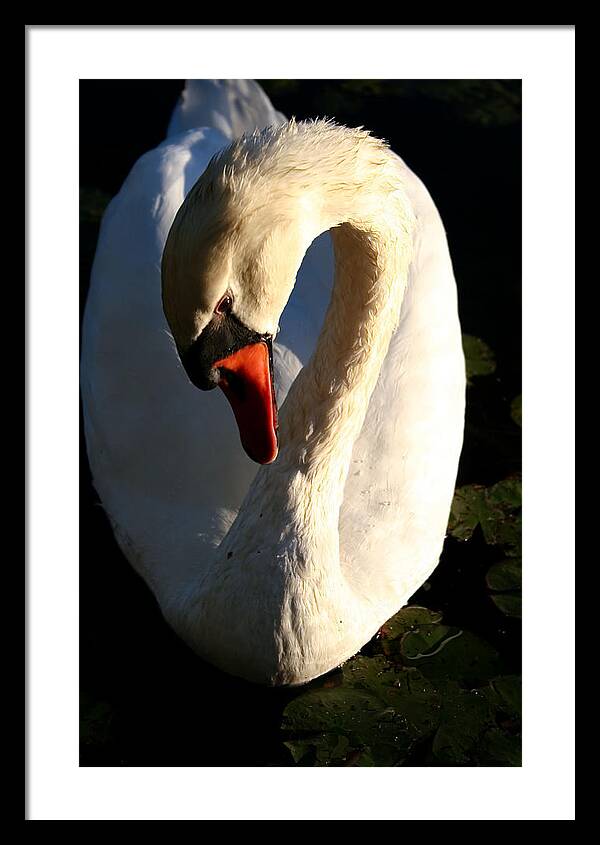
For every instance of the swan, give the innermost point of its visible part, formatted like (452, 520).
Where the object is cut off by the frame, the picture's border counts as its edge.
(302, 268)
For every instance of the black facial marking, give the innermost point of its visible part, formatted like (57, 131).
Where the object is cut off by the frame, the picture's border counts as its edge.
(223, 336)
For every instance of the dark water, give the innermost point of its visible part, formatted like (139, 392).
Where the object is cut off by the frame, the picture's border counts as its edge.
(146, 699)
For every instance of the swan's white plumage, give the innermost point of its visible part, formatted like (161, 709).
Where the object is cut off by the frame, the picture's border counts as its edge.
(166, 458)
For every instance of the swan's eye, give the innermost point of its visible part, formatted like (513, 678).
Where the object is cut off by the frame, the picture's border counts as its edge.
(224, 305)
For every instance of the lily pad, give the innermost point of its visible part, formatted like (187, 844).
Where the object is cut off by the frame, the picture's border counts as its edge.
(381, 713)
(427, 641)
(328, 749)
(504, 578)
(507, 689)
(505, 575)
(442, 653)
(503, 528)
(467, 511)
(479, 358)
(465, 715)
(505, 494)
(495, 509)
(497, 748)
(323, 716)
(407, 619)
(508, 603)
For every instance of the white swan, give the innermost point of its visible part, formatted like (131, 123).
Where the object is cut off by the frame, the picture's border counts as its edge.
(276, 574)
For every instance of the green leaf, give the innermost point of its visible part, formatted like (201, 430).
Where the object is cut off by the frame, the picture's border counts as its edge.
(505, 578)
(451, 654)
(508, 603)
(374, 675)
(479, 358)
(474, 728)
(322, 709)
(427, 641)
(496, 748)
(301, 751)
(326, 750)
(505, 575)
(380, 713)
(516, 409)
(467, 511)
(465, 715)
(443, 692)
(505, 494)
(508, 692)
(495, 509)
(406, 696)
(360, 718)
(502, 528)
(407, 619)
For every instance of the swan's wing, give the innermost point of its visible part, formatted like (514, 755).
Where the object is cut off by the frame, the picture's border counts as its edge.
(233, 106)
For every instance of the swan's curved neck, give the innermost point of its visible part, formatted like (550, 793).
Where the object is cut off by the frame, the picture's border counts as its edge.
(282, 552)
(326, 407)
(364, 207)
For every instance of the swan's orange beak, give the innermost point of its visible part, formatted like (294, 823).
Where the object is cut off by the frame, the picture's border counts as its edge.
(246, 379)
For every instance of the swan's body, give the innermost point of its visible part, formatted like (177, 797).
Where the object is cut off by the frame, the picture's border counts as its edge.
(281, 573)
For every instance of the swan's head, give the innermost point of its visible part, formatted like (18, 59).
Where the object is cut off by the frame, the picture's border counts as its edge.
(228, 268)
